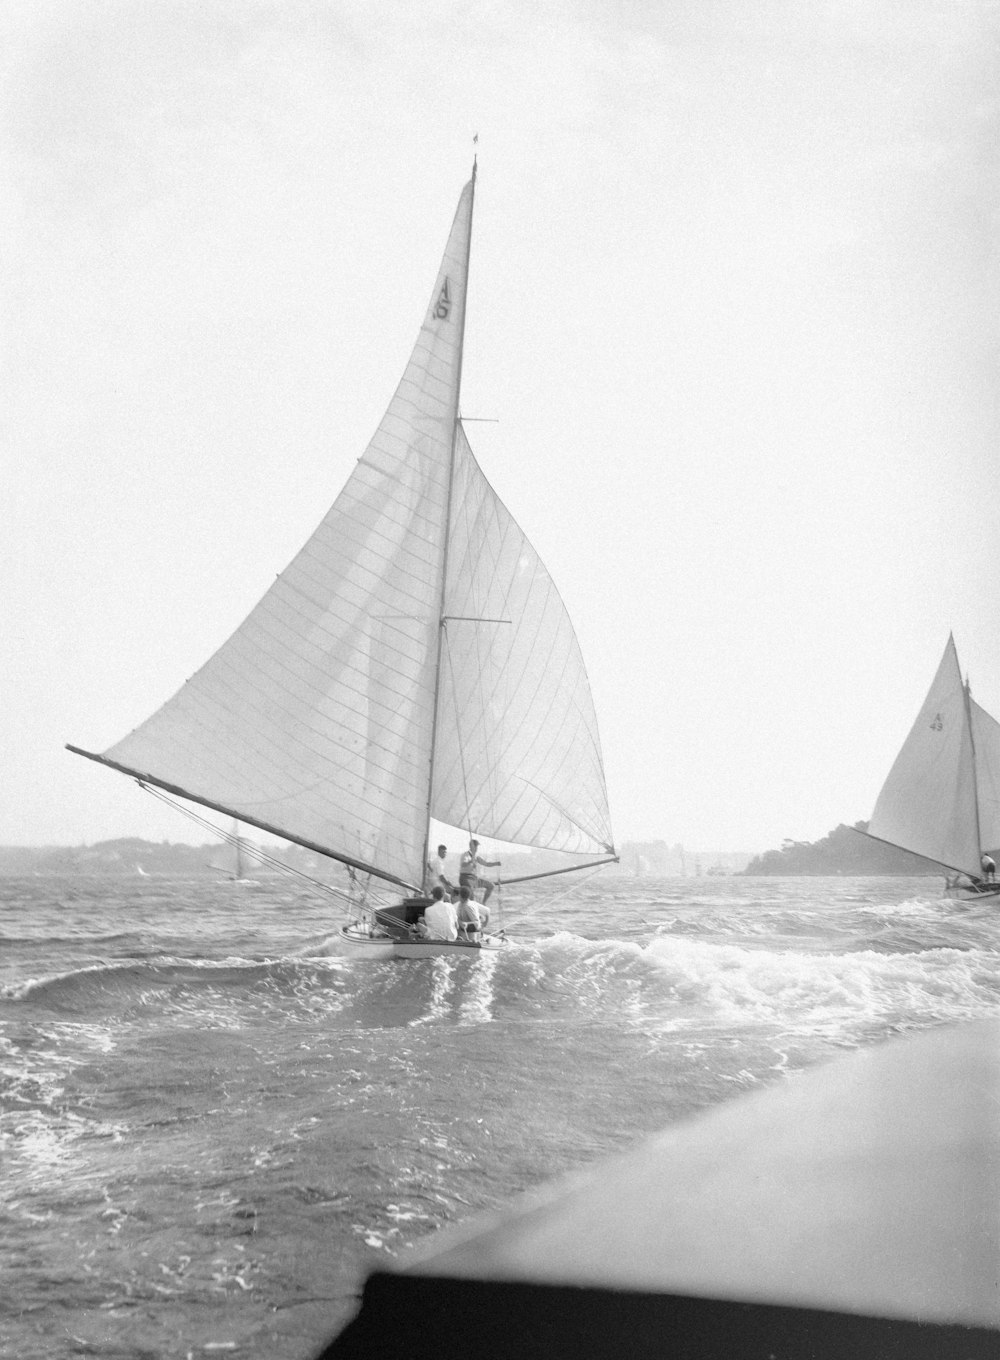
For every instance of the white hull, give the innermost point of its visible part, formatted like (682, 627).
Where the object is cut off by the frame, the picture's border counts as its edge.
(965, 892)
(360, 943)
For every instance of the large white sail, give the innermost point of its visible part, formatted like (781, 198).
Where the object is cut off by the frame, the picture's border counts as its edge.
(518, 756)
(414, 660)
(928, 802)
(986, 740)
(314, 719)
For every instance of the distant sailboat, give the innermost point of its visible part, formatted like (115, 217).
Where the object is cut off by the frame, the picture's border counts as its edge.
(232, 863)
(942, 797)
(414, 661)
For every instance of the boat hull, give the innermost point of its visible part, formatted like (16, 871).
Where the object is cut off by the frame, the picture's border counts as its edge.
(360, 941)
(968, 892)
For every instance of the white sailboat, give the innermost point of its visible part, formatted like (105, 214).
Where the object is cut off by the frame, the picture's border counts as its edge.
(234, 863)
(414, 661)
(941, 799)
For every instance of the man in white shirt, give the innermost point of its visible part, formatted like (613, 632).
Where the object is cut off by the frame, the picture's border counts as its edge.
(436, 877)
(440, 918)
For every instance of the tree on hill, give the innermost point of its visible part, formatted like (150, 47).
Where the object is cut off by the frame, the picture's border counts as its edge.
(842, 851)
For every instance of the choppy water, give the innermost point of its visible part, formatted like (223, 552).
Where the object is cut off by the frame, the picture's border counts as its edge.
(212, 1124)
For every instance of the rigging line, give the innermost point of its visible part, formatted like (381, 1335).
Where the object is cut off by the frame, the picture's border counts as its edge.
(255, 852)
(367, 891)
(575, 885)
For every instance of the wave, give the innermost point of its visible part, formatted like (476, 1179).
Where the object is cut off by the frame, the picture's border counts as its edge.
(38, 941)
(806, 990)
(679, 981)
(82, 989)
(673, 980)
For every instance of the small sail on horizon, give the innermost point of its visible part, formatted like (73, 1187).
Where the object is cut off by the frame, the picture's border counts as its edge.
(941, 799)
(231, 857)
(413, 661)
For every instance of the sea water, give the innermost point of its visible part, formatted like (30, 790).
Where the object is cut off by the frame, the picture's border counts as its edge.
(214, 1123)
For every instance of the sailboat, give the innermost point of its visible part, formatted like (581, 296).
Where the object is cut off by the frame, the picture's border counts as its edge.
(234, 863)
(413, 662)
(941, 799)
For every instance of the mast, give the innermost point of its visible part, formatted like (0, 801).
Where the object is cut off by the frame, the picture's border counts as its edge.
(447, 534)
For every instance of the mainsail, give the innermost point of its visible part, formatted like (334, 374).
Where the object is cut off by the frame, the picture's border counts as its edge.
(414, 659)
(942, 796)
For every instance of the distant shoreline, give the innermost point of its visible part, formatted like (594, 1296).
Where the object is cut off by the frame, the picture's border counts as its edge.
(141, 859)
(843, 852)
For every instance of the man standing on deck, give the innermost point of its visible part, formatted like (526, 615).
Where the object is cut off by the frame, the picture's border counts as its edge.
(468, 873)
(435, 876)
(989, 868)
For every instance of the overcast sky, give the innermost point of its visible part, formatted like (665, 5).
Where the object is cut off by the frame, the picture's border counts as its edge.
(733, 303)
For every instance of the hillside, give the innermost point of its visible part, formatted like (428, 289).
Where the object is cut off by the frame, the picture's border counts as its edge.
(132, 857)
(842, 851)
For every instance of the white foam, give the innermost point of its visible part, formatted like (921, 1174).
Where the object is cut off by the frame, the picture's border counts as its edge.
(737, 985)
(477, 1001)
(442, 983)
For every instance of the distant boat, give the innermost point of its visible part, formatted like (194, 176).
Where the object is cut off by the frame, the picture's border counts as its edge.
(231, 859)
(414, 661)
(942, 797)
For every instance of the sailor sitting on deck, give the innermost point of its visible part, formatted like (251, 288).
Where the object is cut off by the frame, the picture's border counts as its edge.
(472, 917)
(440, 919)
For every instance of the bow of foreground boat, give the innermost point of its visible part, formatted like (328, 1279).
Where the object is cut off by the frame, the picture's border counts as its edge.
(850, 1211)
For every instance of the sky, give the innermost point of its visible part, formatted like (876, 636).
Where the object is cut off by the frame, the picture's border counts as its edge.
(732, 320)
